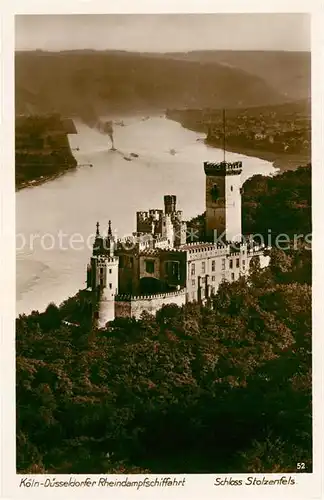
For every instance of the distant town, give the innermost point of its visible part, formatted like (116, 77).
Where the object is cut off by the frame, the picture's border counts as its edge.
(280, 133)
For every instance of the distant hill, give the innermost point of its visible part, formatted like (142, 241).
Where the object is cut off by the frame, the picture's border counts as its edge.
(89, 81)
(287, 72)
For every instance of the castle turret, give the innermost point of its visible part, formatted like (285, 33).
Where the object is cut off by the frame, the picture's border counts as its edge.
(168, 230)
(102, 277)
(223, 201)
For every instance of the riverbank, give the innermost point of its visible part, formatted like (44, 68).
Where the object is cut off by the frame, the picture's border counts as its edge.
(41, 180)
(282, 161)
(42, 150)
(279, 134)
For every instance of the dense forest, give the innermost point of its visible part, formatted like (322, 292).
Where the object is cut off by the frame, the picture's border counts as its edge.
(224, 388)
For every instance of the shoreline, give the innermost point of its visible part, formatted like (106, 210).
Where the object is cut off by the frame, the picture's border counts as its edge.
(70, 165)
(43, 180)
(280, 161)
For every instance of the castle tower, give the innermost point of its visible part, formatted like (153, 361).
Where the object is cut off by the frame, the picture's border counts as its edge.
(168, 229)
(170, 202)
(108, 290)
(102, 277)
(174, 228)
(223, 201)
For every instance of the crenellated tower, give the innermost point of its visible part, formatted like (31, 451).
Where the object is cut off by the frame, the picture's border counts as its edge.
(223, 201)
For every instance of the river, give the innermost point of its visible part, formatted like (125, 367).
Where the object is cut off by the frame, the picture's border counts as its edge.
(49, 267)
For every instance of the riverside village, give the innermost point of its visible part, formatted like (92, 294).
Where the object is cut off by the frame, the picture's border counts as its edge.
(157, 266)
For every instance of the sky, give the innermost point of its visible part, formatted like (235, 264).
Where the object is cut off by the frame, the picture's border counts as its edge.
(163, 32)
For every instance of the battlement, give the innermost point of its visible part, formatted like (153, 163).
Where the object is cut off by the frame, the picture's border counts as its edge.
(151, 214)
(165, 295)
(198, 246)
(142, 215)
(223, 168)
(155, 213)
(104, 259)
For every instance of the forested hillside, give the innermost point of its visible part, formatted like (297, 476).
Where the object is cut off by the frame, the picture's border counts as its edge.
(287, 72)
(42, 149)
(74, 82)
(195, 389)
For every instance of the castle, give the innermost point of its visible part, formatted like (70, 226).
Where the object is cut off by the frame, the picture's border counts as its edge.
(156, 266)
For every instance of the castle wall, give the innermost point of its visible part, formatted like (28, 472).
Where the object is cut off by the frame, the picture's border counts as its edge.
(123, 309)
(135, 306)
(207, 268)
(143, 273)
(209, 265)
(173, 268)
(106, 309)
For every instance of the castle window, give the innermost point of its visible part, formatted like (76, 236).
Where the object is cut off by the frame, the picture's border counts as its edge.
(109, 271)
(213, 265)
(193, 295)
(101, 282)
(243, 262)
(193, 269)
(231, 188)
(203, 267)
(213, 278)
(233, 276)
(231, 264)
(149, 266)
(215, 192)
(193, 282)
(223, 264)
(237, 262)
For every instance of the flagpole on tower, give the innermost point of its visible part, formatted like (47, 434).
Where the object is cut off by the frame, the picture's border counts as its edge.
(224, 134)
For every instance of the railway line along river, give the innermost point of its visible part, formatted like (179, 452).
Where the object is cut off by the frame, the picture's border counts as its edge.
(55, 220)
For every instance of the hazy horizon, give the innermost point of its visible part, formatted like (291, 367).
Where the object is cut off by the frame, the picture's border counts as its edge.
(163, 33)
(159, 52)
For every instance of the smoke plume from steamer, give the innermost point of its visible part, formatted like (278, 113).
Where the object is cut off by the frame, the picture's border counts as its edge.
(106, 128)
(91, 120)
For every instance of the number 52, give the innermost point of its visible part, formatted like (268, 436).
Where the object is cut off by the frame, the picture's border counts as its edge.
(300, 465)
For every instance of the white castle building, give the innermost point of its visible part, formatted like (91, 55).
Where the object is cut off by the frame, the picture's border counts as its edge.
(156, 266)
